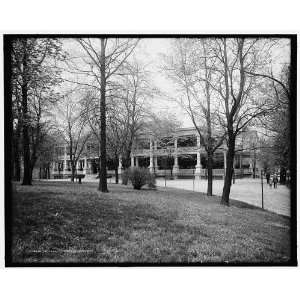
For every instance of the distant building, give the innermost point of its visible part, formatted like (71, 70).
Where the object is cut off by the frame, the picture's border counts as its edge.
(179, 155)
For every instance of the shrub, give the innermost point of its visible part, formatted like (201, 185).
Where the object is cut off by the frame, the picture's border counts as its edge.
(140, 177)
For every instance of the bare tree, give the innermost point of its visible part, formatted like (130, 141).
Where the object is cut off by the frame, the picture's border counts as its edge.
(243, 97)
(115, 142)
(277, 125)
(131, 101)
(192, 68)
(125, 110)
(72, 127)
(46, 154)
(17, 131)
(103, 60)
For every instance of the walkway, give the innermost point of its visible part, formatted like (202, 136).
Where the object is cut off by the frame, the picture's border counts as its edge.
(245, 190)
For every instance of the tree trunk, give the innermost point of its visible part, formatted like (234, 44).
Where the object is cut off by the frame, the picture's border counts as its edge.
(229, 170)
(209, 173)
(31, 171)
(17, 166)
(27, 180)
(16, 150)
(102, 175)
(209, 131)
(127, 160)
(117, 175)
(254, 165)
(73, 173)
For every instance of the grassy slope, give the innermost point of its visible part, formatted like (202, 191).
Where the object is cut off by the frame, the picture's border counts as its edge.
(65, 222)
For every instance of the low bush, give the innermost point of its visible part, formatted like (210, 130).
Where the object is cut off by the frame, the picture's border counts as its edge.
(140, 177)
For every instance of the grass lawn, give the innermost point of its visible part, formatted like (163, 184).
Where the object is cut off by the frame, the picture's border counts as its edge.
(67, 222)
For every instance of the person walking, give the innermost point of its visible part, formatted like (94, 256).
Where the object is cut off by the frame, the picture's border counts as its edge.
(270, 181)
(268, 175)
(288, 176)
(275, 181)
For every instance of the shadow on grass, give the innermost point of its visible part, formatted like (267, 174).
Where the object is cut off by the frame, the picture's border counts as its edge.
(55, 227)
(68, 222)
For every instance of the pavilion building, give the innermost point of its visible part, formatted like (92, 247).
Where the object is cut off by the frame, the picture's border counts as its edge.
(180, 156)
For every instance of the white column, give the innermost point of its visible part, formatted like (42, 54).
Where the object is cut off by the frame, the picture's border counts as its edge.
(53, 168)
(225, 163)
(85, 160)
(175, 166)
(198, 165)
(155, 156)
(151, 158)
(85, 165)
(240, 160)
(65, 159)
(120, 165)
(132, 160)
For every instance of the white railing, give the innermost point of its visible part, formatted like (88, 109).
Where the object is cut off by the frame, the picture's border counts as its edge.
(186, 172)
(171, 150)
(163, 172)
(187, 150)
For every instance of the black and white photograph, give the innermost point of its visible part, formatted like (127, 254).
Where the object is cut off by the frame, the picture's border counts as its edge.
(140, 150)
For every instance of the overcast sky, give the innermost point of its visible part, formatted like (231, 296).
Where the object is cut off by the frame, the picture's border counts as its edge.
(149, 52)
